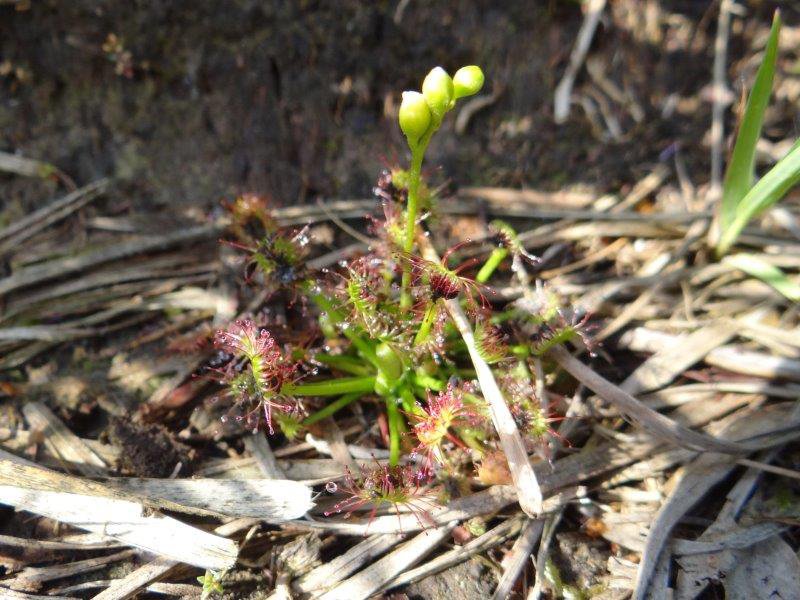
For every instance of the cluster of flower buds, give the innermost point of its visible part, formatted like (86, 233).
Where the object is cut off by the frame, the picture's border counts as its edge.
(422, 113)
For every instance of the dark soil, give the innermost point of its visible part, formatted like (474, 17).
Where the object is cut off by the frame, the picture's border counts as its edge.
(149, 450)
(186, 103)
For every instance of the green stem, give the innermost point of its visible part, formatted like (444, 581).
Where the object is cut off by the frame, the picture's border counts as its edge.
(331, 408)
(495, 258)
(395, 426)
(427, 382)
(424, 331)
(331, 387)
(409, 403)
(325, 304)
(347, 364)
(417, 154)
(520, 350)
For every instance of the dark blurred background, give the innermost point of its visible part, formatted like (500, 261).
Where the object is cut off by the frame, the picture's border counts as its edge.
(188, 102)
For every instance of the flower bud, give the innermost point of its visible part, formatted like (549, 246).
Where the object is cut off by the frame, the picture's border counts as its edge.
(467, 81)
(438, 91)
(414, 117)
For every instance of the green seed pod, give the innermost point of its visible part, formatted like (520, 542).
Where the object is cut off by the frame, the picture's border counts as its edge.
(414, 117)
(438, 92)
(467, 81)
(388, 361)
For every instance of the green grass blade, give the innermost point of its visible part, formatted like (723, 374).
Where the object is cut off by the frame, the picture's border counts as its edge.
(770, 188)
(740, 172)
(770, 274)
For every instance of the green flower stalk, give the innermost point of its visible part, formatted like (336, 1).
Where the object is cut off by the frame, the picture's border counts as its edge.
(420, 116)
(497, 256)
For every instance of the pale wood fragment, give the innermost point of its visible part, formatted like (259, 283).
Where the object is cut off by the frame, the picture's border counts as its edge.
(365, 583)
(258, 446)
(518, 557)
(494, 537)
(96, 508)
(32, 578)
(60, 440)
(334, 571)
(272, 500)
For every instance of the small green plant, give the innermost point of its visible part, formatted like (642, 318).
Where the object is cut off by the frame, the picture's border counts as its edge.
(741, 199)
(386, 335)
(212, 584)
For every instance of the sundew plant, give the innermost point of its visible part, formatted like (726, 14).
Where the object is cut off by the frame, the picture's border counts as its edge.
(449, 376)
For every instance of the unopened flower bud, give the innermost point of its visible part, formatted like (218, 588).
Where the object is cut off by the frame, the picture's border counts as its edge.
(438, 91)
(467, 81)
(414, 117)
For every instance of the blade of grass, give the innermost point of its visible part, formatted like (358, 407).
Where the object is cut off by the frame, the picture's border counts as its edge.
(770, 188)
(740, 173)
(770, 274)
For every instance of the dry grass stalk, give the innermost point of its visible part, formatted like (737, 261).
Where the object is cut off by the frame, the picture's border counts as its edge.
(517, 558)
(28, 226)
(61, 442)
(696, 480)
(648, 419)
(334, 571)
(365, 583)
(732, 358)
(32, 578)
(258, 446)
(492, 538)
(667, 364)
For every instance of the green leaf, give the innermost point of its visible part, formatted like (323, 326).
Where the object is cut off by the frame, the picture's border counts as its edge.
(770, 188)
(756, 267)
(740, 172)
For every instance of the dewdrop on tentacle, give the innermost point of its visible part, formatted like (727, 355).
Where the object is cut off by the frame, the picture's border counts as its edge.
(385, 486)
(257, 386)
